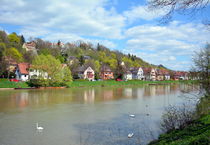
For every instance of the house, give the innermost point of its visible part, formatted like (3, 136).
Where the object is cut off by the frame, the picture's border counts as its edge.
(85, 73)
(150, 74)
(30, 46)
(106, 73)
(71, 60)
(24, 72)
(35, 74)
(127, 75)
(137, 73)
(21, 72)
(160, 75)
(166, 74)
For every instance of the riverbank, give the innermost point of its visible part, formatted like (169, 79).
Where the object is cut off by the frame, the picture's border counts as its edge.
(108, 83)
(4, 83)
(196, 133)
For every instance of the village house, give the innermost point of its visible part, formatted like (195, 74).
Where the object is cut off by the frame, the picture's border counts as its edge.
(106, 73)
(127, 75)
(137, 73)
(150, 74)
(180, 75)
(71, 60)
(166, 74)
(85, 73)
(160, 75)
(30, 46)
(22, 73)
(35, 74)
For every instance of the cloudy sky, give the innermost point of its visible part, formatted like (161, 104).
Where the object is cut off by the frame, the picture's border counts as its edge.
(124, 25)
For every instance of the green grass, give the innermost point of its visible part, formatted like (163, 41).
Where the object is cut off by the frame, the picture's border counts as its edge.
(196, 133)
(84, 83)
(4, 83)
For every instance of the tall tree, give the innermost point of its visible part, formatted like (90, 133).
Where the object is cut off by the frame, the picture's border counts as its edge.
(202, 66)
(22, 40)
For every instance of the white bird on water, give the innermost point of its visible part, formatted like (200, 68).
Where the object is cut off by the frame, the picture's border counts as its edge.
(130, 135)
(39, 127)
(132, 115)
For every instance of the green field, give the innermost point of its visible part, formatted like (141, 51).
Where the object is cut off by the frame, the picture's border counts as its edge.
(4, 83)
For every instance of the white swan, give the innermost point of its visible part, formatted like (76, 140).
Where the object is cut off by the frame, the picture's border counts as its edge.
(132, 115)
(39, 127)
(130, 135)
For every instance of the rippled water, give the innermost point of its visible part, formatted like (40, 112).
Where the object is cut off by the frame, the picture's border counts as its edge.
(82, 116)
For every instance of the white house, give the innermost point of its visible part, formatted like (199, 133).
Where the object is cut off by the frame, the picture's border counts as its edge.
(137, 73)
(24, 72)
(35, 74)
(86, 73)
(21, 72)
(127, 75)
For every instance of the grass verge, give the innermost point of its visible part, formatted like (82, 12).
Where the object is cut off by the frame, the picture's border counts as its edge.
(4, 83)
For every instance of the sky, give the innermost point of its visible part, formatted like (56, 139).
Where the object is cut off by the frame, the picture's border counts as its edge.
(124, 25)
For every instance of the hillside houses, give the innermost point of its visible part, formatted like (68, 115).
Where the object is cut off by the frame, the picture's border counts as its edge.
(24, 72)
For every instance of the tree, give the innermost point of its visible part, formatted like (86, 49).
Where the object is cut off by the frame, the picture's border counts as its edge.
(14, 41)
(57, 75)
(22, 40)
(2, 49)
(12, 54)
(180, 6)
(81, 60)
(3, 37)
(202, 66)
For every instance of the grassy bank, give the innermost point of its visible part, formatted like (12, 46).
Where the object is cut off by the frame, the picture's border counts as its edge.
(196, 133)
(4, 83)
(84, 83)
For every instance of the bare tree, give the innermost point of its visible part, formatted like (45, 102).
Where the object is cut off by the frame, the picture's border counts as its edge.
(180, 6)
(202, 66)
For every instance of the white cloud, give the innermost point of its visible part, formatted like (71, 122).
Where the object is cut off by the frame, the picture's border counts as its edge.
(142, 12)
(79, 17)
(169, 45)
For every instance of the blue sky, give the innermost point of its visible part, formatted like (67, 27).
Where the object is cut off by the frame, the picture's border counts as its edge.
(124, 25)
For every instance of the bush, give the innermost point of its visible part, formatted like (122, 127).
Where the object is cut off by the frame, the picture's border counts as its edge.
(177, 117)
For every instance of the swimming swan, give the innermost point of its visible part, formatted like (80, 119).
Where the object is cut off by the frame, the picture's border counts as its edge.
(39, 127)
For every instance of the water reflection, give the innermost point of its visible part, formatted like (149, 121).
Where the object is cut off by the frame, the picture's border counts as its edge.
(25, 98)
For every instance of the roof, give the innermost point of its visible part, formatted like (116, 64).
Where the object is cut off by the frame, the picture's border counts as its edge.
(105, 68)
(146, 70)
(82, 68)
(23, 68)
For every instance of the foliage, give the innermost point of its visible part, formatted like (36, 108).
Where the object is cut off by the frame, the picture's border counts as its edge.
(176, 117)
(2, 49)
(56, 74)
(202, 66)
(196, 133)
(13, 53)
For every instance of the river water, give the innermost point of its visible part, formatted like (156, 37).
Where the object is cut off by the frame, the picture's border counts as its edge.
(86, 116)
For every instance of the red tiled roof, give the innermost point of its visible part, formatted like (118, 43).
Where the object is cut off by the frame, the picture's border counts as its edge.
(23, 68)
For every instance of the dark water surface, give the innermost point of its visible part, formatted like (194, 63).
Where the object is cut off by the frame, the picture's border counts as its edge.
(85, 116)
